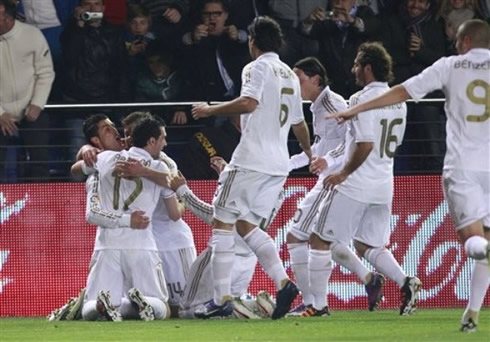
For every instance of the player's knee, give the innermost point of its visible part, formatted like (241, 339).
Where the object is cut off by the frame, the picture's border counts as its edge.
(476, 247)
(317, 243)
(290, 238)
(361, 248)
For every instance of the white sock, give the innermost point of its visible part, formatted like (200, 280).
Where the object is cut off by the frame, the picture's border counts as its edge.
(223, 253)
(160, 309)
(298, 253)
(89, 311)
(476, 247)
(320, 269)
(478, 285)
(344, 256)
(385, 262)
(266, 252)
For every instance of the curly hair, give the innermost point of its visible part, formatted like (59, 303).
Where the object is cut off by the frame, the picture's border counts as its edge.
(374, 54)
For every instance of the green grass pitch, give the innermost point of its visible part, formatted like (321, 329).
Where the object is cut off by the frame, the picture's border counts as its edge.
(383, 325)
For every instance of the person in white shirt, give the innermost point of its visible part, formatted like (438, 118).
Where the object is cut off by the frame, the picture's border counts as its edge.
(270, 104)
(119, 253)
(465, 80)
(358, 206)
(174, 239)
(328, 135)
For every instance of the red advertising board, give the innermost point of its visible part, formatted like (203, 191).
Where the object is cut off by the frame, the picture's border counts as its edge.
(45, 246)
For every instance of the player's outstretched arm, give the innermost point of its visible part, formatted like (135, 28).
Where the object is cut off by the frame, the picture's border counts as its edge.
(396, 94)
(302, 133)
(240, 105)
(198, 207)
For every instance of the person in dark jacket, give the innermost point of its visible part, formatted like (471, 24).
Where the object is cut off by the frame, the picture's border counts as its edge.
(94, 58)
(339, 34)
(415, 42)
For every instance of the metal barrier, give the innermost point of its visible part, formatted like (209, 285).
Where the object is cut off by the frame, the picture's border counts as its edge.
(421, 152)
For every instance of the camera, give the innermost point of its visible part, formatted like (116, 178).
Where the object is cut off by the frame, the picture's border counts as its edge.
(87, 16)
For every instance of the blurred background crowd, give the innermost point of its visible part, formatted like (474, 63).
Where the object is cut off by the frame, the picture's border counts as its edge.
(182, 51)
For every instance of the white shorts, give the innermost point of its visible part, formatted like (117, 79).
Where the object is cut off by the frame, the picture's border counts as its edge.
(246, 195)
(176, 267)
(468, 196)
(118, 271)
(343, 219)
(306, 214)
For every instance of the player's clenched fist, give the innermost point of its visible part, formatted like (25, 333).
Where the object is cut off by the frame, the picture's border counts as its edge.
(201, 110)
(139, 220)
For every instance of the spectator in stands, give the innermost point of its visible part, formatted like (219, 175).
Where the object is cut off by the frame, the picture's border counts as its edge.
(95, 58)
(339, 36)
(289, 14)
(43, 15)
(483, 9)
(160, 81)
(207, 143)
(26, 77)
(95, 65)
(415, 40)
(137, 37)
(222, 51)
(169, 18)
(454, 13)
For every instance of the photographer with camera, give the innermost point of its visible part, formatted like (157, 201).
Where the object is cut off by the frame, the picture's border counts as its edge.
(223, 52)
(95, 62)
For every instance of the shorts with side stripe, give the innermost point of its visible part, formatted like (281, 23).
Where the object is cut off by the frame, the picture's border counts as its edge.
(246, 195)
(306, 214)
(118, 270)
(342, 219)
(176, 267)
(467, 194)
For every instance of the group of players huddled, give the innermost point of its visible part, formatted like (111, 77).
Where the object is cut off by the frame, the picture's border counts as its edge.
(144, 263)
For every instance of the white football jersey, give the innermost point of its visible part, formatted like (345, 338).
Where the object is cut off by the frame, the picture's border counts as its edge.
(372, 182)
(328, 133)
(94, 213)
(465, 80)
(263, 144)
(124, 196)
(170, 235)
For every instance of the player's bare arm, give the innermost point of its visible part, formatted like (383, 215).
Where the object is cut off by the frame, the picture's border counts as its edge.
(302, 133)
(134, 168)
(89, 154)
(240, 105)
(358, 157)
(218, 164)
(174, 208)
(396, 94)
(318, 165)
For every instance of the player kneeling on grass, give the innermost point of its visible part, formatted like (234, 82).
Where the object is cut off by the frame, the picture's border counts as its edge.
(199, 288)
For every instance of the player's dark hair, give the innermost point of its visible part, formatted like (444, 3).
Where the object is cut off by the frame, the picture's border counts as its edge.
(266, 33)
(374, 54)
(311, 66)
(90, 125)
(10, 7)
(133, 117)
(146, 129)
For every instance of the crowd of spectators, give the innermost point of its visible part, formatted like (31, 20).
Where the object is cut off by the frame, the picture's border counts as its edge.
(194, 50)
